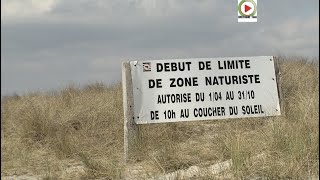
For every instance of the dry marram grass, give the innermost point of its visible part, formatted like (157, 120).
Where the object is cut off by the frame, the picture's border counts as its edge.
(77, 133)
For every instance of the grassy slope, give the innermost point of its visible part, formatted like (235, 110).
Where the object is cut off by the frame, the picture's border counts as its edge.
(45, 134)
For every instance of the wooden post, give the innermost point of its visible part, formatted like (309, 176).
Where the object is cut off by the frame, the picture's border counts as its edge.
(130, 128)
(278, 78)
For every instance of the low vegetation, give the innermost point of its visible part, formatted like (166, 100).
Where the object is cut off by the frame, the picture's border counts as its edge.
(77, 133)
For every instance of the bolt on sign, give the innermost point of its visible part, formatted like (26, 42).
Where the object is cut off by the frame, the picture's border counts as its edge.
(203, 89)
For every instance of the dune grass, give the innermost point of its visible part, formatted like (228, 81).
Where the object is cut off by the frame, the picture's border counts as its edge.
(77, 133)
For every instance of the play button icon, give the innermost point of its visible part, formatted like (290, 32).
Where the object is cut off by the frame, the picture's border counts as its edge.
(247, 8)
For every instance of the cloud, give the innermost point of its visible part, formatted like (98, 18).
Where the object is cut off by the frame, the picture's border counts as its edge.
(16, 9)
(294, 36)
(49, 43)
(99, 11)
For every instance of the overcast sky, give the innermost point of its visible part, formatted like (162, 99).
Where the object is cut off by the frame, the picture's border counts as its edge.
(48, 44)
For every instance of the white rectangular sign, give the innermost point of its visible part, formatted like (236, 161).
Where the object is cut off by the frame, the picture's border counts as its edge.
(204, 89)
